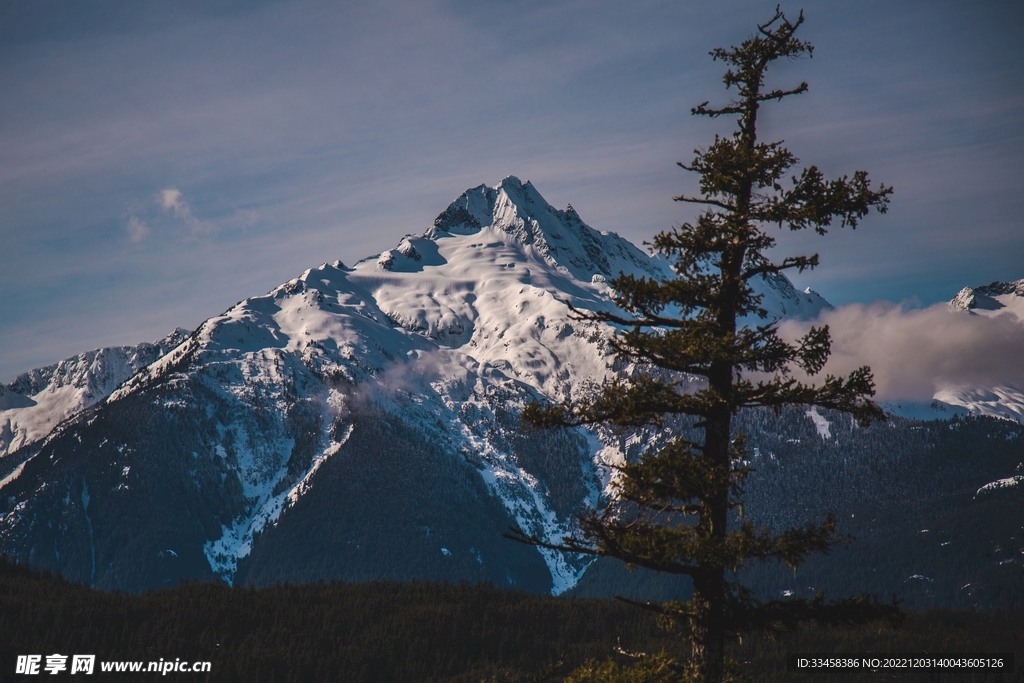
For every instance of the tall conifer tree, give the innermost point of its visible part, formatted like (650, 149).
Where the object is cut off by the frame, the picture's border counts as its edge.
(672, 511)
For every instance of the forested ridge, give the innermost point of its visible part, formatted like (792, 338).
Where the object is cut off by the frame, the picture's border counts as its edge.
(906, 497)
(422, 632)
(906, 494)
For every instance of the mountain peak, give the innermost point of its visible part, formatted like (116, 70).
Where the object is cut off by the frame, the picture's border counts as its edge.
(560, 238)
(498, 206)
(991, 297)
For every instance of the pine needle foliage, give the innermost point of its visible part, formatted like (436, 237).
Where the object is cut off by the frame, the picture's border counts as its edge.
(673, 507)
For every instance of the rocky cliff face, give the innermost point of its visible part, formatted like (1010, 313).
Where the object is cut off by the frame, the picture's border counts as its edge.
(992, 297)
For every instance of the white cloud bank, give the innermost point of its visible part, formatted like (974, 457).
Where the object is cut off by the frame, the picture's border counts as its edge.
(918, 352)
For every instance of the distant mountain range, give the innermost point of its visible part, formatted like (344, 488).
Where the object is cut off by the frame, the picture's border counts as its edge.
(354, 423)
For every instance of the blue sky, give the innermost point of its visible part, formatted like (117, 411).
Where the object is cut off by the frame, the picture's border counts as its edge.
(160, 161)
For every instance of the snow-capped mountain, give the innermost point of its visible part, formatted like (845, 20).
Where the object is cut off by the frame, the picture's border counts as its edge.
(997, 297)
(1006, 401)
(36, 401)
(355, 423)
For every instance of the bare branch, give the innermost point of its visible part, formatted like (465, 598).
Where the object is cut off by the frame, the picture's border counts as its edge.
(779, 94)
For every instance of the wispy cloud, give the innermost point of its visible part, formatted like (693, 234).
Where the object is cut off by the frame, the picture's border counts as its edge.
(137, 229)
(171, 201)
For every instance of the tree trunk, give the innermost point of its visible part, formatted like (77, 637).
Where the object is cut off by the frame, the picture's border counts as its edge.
(708, 655)
(708, 645)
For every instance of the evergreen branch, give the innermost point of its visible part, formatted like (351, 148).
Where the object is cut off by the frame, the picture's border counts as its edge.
(790, 547)
(815, 348)
(730, 163)
(662, 350)
(801, 263)
(674, 473)
(652, 546)
(696, 344)
(642, 402)
(645, 298)
(645, 318)
(709, 202)
(702, 110)
(815, 203)
(667, 509)
(520, 536)
(848, 395)
(645, 309)
(604, 546)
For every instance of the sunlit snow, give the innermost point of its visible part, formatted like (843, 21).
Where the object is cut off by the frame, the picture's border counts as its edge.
(820, 423)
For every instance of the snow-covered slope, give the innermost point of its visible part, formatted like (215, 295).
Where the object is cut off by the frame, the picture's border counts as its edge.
(449, 335)
(998, 401)
(1006, 401)
(36, 401)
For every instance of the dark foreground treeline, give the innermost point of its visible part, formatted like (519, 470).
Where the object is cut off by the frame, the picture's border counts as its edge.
(395, 632)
